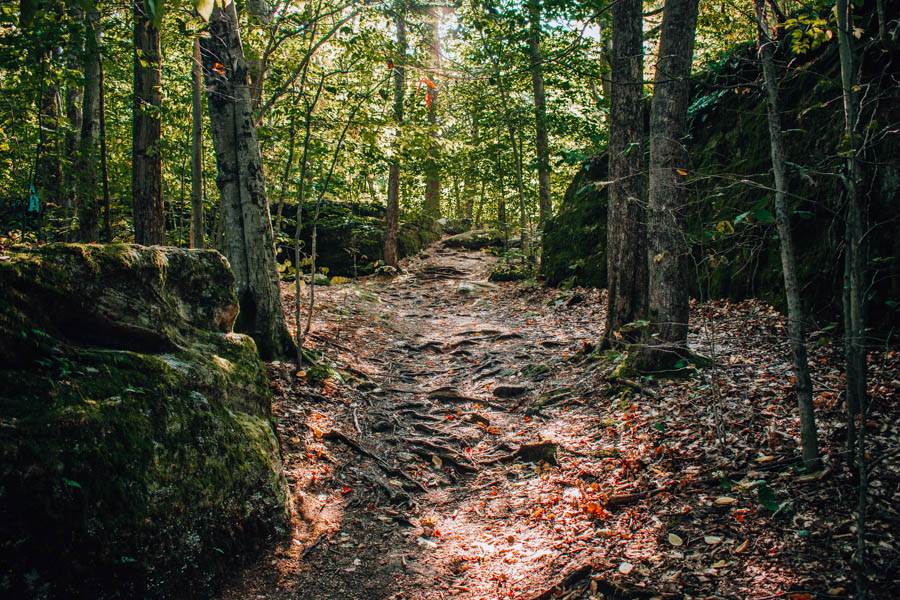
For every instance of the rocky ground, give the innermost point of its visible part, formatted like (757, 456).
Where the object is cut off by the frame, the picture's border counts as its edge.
(469, 443)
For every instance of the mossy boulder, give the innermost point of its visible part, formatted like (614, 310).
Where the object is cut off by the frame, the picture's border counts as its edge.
(137, 453)
(475, 239)
(730, 214)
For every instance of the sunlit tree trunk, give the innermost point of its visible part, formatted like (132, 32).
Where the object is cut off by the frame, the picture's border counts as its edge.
(470, 170)
(198, 224)
(800, 364)
(393, 205)
(146, 168)
(432, 161)
(627, 236)
(241, 181)
(540, 111)
(668, 299)
(89, 193)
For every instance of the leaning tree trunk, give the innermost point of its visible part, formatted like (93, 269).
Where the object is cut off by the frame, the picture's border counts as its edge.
(198, 225)
(89, 195)
(392, 218)
(800, 364)
(146, 167)
(626, 233)
(667, 249)
(540, 112)
(241, 182)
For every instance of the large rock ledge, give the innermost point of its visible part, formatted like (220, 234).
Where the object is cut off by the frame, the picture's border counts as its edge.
(137, 453)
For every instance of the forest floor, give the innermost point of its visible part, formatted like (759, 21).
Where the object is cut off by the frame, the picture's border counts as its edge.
(468, 445)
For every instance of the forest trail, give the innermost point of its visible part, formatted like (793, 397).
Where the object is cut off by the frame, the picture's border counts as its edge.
(473, 449)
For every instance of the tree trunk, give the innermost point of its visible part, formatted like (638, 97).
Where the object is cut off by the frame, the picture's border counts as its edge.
(74, 98)
(48, 170)
(261, 13)
(198, 224)
(89, 194)
(667, 250)
(104, 169)
(146, 167)
(432, 162)
(471, 171)
(393, 207)
(241, 182)
(626, 232)
(540, 112)
(800, 364)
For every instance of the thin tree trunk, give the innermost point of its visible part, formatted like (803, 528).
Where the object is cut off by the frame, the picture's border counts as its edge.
(104, 170)
(393, 207)
(74, 97)
(800, 364)
(48, 170)
(626, 232)
(471, 171)
(146, 167)
(89, 193)
(241, 181)
(540, 112)
(198, 222)
(432, 205)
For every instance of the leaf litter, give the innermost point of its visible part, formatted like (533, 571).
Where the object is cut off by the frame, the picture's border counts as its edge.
(413, 478)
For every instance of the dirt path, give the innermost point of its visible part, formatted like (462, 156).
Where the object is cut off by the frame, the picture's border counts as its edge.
(472, 450)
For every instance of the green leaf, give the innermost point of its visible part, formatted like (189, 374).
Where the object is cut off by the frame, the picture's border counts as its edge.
(763, 216)
(767, 497)
(741, 217)
(204, 8)
(71, 483)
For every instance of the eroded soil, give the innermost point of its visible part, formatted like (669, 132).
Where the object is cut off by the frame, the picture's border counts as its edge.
(469, 445)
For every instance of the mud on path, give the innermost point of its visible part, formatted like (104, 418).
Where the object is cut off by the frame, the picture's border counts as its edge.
(471, 448)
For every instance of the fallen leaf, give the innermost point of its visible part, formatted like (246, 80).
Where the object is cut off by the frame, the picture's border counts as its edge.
(712, 539)
(436, 460)
(742, 547)
(625, 568)
(675, 540)
(721, 564)
(725, 500)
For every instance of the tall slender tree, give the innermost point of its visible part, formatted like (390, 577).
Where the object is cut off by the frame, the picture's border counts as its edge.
(667, 248)
(391, 256)
(89, 195)
(198, 223)
(799, 361)
(626, 231)
(432, 161)
(540, 111)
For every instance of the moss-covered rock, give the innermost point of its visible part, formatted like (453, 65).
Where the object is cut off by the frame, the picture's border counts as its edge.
(476, 239)
(351, 234)
(137, 453)
(731, 229)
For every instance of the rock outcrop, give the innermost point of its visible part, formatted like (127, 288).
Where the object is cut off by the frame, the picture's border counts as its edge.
(137, 452)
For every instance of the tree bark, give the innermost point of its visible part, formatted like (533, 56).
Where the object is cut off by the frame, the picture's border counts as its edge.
(48, 170)
(241, 182)
(471, 171)
(146, 167)
(432, 162)
(89, 194)
(74, 98)
(198, 222)
(626, 232)
(540, 112)
(800, 363)
(104, 169)
(393, 206)
(667, 250)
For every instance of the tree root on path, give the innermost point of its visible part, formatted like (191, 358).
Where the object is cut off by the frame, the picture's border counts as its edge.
(385, 466)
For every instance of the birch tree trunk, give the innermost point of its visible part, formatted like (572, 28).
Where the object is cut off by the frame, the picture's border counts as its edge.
(540, 112)
(800, 363)
(241, 182)
(146, 167)
(626, 232)
(198, 223)
(667, 250)
(393, 205)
